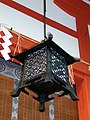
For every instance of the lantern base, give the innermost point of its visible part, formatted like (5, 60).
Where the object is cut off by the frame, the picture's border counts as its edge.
(44, 85)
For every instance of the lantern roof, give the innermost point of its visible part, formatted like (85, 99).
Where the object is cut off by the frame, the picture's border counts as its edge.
(50, 44)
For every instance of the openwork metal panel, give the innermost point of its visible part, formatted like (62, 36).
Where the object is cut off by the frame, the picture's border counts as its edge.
(35, 64)
(59, 66)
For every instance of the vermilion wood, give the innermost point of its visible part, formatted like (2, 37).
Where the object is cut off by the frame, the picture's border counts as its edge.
(75, 8)
(82, 79)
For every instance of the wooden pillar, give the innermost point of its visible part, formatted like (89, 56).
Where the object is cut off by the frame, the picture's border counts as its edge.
(82, 77)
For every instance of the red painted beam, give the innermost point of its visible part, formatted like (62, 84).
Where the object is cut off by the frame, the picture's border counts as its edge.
(75, 8)
(79, 6)
(39, 17)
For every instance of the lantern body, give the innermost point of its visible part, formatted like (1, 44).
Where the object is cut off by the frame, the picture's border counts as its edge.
(45, 71)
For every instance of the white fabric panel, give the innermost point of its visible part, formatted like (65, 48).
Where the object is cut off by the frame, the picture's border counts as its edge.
(53, 11)
(6, 43)
(5, 55)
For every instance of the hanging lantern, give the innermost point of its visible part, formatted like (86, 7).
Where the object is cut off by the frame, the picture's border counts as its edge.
(45, 71)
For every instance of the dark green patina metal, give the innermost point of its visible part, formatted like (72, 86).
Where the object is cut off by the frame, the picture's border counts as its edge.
(45, 71)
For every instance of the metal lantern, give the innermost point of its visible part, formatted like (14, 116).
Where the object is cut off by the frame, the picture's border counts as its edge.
(45, 71)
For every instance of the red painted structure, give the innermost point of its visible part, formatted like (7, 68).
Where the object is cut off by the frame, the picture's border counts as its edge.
(79, 10)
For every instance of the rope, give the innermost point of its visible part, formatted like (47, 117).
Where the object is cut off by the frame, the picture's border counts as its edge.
(87, 63)
(83, 61)
(71, 75)
(18, 46)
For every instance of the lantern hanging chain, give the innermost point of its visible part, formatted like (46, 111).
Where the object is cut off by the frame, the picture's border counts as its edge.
(44, 6)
